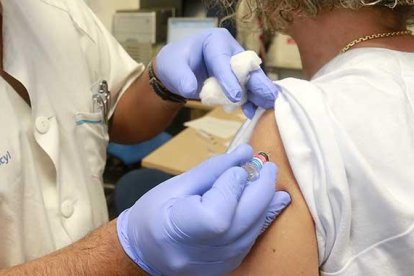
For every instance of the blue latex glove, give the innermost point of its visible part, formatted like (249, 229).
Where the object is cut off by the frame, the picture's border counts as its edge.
(202, 222)
(184, 66)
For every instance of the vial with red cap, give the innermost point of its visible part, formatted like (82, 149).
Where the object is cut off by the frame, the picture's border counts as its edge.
(254, 166)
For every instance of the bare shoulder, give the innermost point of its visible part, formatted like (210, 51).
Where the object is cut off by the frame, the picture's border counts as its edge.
(289, 246)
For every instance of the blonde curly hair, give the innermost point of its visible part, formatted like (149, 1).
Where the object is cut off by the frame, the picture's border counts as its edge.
(276, 15)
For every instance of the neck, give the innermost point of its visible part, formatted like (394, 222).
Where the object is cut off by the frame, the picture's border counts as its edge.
(322, 37)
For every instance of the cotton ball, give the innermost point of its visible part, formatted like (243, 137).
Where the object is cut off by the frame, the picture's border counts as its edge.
(212, 93)
(242, 64)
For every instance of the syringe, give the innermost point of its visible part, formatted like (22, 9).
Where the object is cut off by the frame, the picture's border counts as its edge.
(254, 166)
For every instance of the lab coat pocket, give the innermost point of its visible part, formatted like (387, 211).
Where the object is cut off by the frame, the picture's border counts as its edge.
(92, 131)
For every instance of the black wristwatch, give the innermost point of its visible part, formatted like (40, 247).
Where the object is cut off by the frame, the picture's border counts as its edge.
(161, 90)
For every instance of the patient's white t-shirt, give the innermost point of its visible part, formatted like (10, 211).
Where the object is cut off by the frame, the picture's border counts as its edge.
(349, 137)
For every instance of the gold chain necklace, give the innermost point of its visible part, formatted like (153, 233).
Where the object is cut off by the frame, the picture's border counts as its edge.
(374, 36)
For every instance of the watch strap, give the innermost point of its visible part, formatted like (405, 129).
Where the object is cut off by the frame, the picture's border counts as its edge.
(161, 90)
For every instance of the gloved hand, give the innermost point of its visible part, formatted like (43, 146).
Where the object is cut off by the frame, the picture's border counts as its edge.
(202, 222)
(184, 66)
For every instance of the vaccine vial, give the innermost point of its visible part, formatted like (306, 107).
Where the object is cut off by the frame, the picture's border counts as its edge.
(254, 166)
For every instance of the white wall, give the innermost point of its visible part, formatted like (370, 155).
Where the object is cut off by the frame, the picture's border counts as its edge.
(105, 9)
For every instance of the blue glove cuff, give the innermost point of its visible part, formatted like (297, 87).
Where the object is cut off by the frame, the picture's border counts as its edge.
(122, 228)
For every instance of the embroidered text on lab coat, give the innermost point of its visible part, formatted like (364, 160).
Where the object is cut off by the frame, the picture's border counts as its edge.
(5, 159)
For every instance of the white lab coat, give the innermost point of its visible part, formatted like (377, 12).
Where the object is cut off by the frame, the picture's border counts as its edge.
(52, 155)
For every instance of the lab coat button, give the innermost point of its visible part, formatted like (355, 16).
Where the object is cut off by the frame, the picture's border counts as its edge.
(67, 209)
(42, 124)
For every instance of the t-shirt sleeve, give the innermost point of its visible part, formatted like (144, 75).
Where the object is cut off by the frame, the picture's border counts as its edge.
(311, 146)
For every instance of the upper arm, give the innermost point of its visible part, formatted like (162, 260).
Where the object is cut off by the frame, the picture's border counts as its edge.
(289, 246)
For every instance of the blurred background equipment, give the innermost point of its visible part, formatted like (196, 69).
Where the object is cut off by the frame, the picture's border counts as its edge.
(177, 5)
(283, 58)
(182, 27)
(142, 31)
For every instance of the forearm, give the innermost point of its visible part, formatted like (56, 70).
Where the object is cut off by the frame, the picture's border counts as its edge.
(99, 253)
(141, 113)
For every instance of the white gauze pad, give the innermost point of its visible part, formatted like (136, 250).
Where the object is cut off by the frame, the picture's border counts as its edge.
(242, 65)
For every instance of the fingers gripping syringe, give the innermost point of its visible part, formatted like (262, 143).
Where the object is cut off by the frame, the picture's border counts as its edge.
(254, 166)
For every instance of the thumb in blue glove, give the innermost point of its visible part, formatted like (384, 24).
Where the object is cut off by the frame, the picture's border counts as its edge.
(184, 66)
(202, 222)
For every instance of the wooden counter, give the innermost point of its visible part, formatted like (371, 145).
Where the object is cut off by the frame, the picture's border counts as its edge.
(190, 147)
